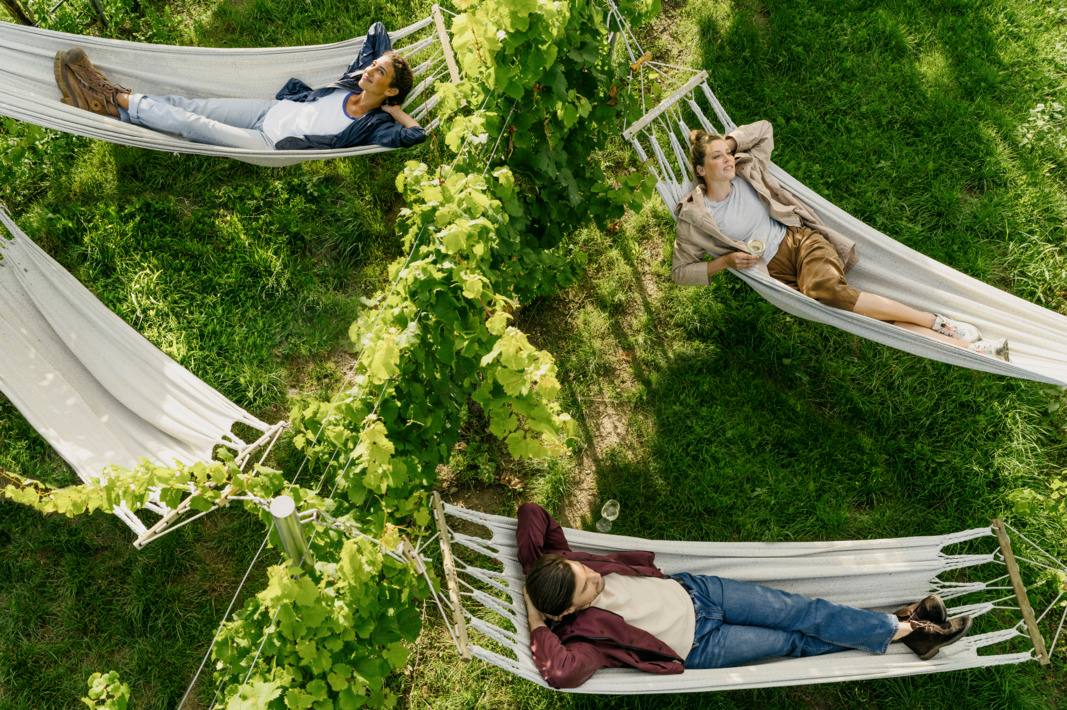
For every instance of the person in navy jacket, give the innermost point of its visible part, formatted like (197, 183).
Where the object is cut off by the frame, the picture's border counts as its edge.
(608, 611)
(362, 107)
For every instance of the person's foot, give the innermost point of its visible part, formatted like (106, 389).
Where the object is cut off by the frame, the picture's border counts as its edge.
(929, 609)
(83, 86)
(992, 348)
(62, 79)
(955, 329)
(928, 638)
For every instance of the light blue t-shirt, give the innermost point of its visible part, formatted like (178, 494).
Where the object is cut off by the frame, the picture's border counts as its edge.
(743, 217)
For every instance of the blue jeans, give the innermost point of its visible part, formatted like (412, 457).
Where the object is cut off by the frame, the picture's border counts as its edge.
(234, 123)
(738, 622)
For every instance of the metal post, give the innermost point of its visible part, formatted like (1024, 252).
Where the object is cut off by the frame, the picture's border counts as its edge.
(283, 509)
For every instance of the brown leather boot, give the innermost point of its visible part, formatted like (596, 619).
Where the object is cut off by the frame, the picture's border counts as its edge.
(929, 609)
(928, 638)
(84, 86)
(62, 80)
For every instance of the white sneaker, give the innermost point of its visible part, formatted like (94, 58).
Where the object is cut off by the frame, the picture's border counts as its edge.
(992, 348)
(956, 329)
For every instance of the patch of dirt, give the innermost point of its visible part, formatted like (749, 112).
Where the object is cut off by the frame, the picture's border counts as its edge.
(663, 27)
(489, 498)
(604, 422)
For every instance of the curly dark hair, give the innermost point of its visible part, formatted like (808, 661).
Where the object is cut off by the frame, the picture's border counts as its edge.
(403, 78)
(550, 583)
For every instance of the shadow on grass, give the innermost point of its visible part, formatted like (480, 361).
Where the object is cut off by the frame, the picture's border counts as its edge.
(902, 112)
(109, 605)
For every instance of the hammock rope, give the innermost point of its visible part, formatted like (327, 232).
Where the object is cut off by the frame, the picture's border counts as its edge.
(96, 390)
(881, 574)
(1037, 336)
(418, 556)
(28, 91)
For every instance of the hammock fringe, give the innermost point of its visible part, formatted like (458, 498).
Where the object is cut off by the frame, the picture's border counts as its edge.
(889, 572)
(96, 390)
(28, 91)
(1038, 336)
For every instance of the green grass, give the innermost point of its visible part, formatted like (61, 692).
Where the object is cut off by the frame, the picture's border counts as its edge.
(745, 423)
(249, 277)
(734, 421)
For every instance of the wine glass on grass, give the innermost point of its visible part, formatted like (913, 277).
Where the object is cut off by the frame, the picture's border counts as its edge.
(608, 513)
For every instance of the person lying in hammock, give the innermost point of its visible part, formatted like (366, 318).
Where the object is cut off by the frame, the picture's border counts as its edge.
(608, 611)
(739, 214)
(360, 108)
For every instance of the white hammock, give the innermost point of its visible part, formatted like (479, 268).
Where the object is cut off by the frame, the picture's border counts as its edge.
(874, 574)
(93, 387)
(1037, 336)
(28, 90)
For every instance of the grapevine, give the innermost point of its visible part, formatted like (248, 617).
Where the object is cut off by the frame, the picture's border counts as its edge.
(479, 235)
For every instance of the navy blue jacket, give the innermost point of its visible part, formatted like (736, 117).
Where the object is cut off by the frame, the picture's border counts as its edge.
(376, 126)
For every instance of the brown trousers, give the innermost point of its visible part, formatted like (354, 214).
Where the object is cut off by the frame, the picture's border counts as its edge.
(807, 262)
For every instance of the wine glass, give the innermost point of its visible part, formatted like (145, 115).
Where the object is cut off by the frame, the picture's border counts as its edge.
(609, 512)
(756, 247)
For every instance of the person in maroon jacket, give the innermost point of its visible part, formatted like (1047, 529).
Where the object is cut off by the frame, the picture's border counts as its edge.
(620, 609)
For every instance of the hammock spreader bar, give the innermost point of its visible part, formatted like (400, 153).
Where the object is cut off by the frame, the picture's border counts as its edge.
(28, 91)
(1037, 336)
(460, 624)
(1020, 592)
(874, 573)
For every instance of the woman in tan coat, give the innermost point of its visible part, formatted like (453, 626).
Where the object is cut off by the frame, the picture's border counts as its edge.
(739, 214)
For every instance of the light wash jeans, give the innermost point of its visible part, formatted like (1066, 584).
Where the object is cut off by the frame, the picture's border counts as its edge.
(738, 622)
(234, 123)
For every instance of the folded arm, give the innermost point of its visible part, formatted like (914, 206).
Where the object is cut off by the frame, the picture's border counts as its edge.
(756, 139)
(400, 116)
(564, 666)
(537, 532)
(375, 45)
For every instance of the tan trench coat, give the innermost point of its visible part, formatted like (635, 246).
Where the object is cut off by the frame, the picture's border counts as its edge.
(698, 235)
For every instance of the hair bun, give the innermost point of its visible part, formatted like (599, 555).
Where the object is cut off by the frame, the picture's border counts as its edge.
(695, 135)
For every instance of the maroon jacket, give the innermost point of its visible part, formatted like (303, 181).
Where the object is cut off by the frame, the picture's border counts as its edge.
(584, 642)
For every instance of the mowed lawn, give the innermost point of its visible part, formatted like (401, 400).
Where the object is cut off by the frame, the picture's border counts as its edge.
(706, 412)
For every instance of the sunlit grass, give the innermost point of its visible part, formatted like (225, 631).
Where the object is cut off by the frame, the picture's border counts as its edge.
(738, 422)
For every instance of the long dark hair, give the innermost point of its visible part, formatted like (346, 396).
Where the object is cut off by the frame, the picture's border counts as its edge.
(550, 583)
(698, 150)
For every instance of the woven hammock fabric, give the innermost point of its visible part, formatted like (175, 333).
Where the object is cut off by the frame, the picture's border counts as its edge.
(28, 90)
(92, 386)
(874, 574)
(1037, 336)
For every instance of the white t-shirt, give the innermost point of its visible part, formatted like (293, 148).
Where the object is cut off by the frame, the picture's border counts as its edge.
(325, 116)
(659, 606)
(743, 217)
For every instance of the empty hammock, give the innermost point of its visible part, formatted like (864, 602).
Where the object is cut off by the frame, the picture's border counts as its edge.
(93, 387)
(485, 582)
(1037, 336)
(28, 90)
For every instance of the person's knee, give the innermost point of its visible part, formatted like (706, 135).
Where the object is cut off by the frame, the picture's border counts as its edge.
(842, 298)
(832, 291)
